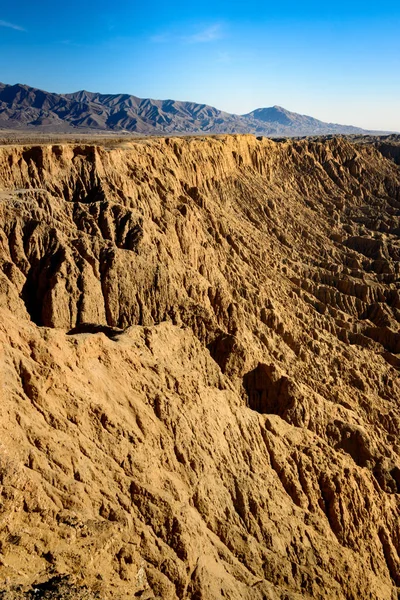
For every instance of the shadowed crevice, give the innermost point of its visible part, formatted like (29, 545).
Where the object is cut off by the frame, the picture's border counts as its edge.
(110, 332)
(267, 393)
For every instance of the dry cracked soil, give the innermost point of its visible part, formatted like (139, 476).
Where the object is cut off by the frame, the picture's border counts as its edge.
(199, 370)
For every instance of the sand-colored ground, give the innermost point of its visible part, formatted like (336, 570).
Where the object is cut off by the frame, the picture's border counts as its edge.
(199, 361)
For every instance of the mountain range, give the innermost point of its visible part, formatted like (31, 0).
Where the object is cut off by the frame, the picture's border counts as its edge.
(27, 108)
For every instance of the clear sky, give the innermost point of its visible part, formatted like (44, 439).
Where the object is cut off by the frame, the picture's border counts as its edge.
(338, 61)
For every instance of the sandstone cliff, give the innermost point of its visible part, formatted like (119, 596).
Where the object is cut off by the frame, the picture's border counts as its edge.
(199, 370)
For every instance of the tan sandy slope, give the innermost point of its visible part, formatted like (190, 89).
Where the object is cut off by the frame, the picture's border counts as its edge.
(199, 370)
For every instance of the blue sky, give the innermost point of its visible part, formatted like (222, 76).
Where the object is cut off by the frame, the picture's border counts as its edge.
(336, 61)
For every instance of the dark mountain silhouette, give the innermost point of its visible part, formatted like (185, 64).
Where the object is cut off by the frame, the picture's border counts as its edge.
(26, 108)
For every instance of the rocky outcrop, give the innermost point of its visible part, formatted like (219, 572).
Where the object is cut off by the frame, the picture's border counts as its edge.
(200, 355)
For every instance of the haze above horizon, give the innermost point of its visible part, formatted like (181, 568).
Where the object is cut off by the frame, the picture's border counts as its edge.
(338, 62)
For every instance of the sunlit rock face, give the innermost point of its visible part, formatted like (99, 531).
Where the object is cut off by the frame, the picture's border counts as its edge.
(199, 370)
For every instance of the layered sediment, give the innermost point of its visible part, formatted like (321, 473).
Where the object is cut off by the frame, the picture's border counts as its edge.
(200, 356)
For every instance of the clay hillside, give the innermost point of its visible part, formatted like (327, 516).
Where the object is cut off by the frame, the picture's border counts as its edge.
(200, 355)
(26, 108)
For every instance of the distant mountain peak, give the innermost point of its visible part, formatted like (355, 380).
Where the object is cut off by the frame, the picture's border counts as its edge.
(88, 111)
